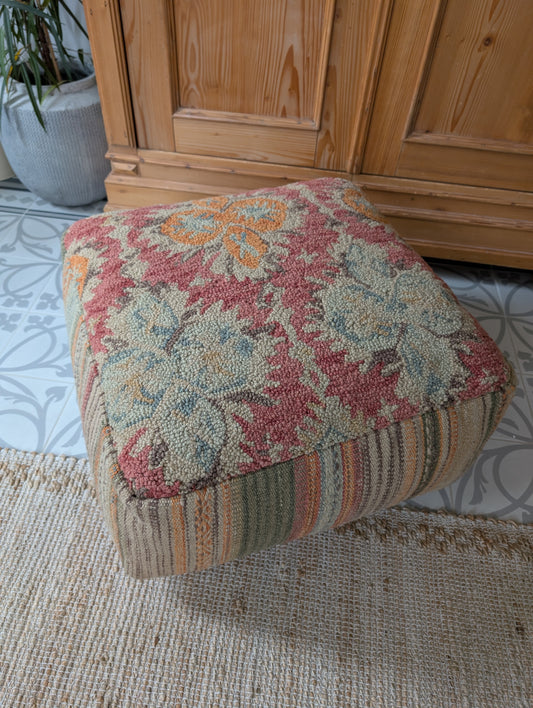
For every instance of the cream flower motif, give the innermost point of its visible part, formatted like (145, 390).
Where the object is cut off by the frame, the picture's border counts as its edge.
(403, 318)
(179, 389)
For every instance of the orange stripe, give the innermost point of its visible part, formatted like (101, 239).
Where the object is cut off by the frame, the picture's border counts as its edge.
(307, 502)
(180, 545)
(447, 462)
(313, 488)
(352, 481)
(203, 520)
(408, 441)
(226, 521)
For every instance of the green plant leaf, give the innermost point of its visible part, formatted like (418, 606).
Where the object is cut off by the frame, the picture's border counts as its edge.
(32, 48)
(22, 7)
(9, 40)
(31, 95)
(73, 16)
(36, 71)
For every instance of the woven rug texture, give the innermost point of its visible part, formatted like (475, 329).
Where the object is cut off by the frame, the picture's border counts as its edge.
(406, 608)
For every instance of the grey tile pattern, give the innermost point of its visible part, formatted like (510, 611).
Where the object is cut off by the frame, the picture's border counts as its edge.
(500, 483)
(38, 408)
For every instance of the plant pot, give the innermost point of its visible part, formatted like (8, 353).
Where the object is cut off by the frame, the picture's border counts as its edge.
(65, 164)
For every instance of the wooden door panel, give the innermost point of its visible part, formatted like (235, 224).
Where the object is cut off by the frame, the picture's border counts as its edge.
(450, 122)
(484, 52)
(149, 44)
(429, 156)
(226, 136)
(253, 57)
(283, 81)
(251, 77)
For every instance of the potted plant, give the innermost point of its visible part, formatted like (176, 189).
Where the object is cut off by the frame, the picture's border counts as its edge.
(51, 124)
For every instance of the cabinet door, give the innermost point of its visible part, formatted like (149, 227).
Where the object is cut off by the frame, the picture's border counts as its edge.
(229, 78)
(455, 96)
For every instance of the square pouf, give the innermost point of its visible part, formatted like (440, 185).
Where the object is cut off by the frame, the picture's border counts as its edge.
(254, 368)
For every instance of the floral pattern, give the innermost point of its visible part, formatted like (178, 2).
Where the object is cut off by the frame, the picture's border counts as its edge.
(35, 415)
(232, 231)
(179, 374)
(399, 317)
(234, 333)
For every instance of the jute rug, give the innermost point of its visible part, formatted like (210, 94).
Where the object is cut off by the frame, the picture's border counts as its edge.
(404, 609)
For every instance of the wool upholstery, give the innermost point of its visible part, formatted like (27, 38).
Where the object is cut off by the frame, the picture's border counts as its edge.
(257, 367)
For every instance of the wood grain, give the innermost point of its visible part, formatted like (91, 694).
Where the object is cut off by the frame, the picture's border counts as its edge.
(481, 80)
(447, 163)
(472, 143)
(245, 118)
(105, 34)
(252, 56)
(150, 50)
(409, 41)
(264, 143)
(477, 244)
(352, 69)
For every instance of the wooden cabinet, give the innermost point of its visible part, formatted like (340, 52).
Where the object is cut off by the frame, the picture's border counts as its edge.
(428, 104)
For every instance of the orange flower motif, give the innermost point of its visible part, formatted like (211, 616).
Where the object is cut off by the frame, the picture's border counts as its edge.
(352, 198)
(244, 245)
(239, 223)
(196, 224)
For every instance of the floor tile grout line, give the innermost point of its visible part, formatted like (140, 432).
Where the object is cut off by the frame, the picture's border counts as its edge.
(66, 216)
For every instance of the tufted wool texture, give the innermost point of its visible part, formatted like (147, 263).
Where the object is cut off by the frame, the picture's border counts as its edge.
(258, 367)
(406, 608)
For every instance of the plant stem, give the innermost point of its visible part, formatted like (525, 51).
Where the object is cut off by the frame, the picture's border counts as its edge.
(46, 46)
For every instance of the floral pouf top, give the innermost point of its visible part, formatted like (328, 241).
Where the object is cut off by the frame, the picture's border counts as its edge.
(235, 333)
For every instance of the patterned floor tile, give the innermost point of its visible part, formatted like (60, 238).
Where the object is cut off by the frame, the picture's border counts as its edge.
(29, 409)
(527, 379)
(517, 423)
(516, 291)
(499, 484)
(66, 437)
(50, 299)
(22, 281)
(39, 348)
(9, 323)
(9, 232)
(36, 237)
(521, 332)
(14, 197)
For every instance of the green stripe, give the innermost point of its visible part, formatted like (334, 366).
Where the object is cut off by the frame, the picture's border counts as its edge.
(432, 443)
(266, 496)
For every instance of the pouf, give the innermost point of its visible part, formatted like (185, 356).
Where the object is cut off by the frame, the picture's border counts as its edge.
(254, 368)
